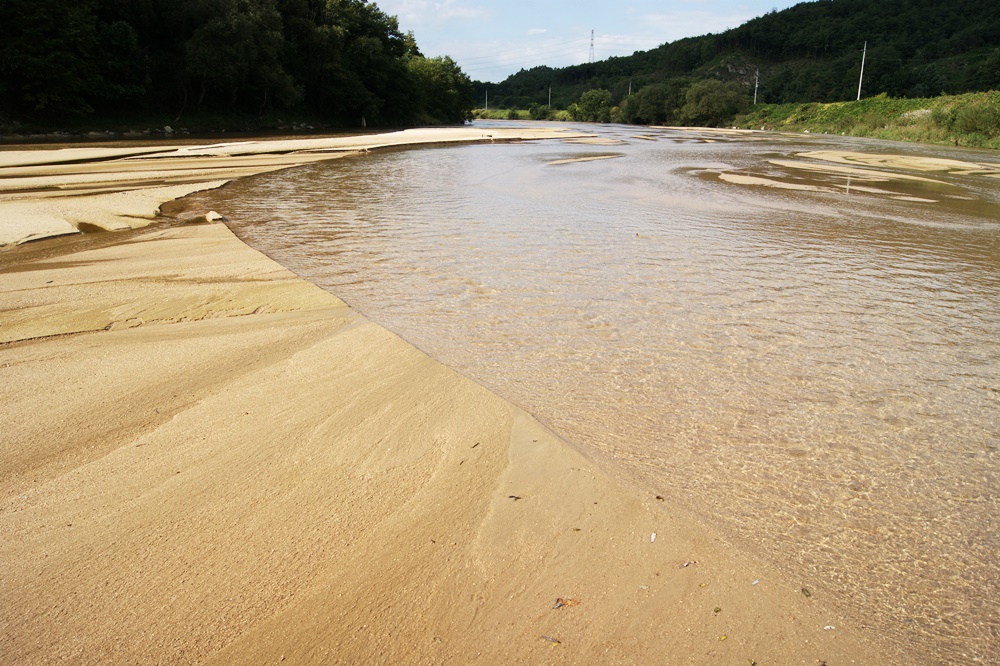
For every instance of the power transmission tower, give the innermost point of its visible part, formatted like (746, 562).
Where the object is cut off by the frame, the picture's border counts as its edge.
(591, 46)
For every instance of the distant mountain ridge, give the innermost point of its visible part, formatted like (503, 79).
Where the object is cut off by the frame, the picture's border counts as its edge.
(811, 52)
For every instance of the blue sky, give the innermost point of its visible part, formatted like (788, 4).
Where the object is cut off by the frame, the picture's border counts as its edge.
(491, 39)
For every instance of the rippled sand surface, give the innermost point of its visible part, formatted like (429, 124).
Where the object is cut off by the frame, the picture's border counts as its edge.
(796, 338)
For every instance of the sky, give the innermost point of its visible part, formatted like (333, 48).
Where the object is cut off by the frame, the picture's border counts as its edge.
(492, 39)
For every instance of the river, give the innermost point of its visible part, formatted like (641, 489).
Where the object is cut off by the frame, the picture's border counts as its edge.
(797, 338)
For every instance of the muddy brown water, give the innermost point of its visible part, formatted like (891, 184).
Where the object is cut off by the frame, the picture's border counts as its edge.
(796, 338)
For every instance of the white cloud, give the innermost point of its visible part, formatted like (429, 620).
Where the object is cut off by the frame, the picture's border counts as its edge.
(419, 13)
(673, 26)
(494, 60)
(491, 40)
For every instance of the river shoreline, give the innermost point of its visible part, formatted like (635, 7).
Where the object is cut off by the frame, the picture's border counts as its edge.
(210, 460)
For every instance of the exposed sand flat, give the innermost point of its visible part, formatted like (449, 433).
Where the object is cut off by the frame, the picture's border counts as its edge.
(206, 459)
(410, 137)
(762, 181)
(73, 175)
(596, 141)
(41, 156)
(871, 175)
(707, 130)
(592, 158)
(905, 162)
(31, 218)
(743, 179)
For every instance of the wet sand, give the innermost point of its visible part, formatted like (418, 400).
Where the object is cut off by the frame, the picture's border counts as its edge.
(206, 459)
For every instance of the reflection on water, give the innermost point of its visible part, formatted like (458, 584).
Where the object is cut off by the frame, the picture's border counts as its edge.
(814, 370)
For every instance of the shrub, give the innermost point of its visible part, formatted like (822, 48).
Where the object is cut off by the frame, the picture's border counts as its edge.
(712, 102)
(539, 112)
(594, 106)
(979, 117)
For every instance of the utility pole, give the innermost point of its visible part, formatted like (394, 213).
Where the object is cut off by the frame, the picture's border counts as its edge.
(756, 82)
(487, 99)
(862, 78)
(550, 97)
(629, 88)
(591, 46)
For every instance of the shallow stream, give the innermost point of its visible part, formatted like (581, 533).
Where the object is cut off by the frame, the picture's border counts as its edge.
(796, 338)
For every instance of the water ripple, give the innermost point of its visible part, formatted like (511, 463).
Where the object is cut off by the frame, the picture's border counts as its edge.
(815, 373)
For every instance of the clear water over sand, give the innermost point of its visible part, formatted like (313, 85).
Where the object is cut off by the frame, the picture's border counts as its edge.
(796, 338)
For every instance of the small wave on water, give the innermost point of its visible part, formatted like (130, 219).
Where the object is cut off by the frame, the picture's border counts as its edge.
(809, 363)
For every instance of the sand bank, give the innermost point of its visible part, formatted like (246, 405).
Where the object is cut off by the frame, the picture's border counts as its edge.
(592, 158)
(135, 181)
(205, 459)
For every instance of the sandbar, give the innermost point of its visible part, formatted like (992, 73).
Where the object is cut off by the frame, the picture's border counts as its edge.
(207, 460)
(589, 158)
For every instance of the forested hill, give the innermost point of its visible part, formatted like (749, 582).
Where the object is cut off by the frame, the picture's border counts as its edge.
(808, 53)
(334, 60)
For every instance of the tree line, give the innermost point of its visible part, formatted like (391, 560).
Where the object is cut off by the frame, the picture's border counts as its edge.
(708, 102)
(342, 62)
(807, 53)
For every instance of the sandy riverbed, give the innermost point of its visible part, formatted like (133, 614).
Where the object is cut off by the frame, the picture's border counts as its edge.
(207, 459)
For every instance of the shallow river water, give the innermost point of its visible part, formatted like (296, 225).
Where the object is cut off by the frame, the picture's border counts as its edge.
(796, 338)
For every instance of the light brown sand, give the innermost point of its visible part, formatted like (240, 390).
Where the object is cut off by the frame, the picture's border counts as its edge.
(743, 179)
(574, 160)
(205, 459)
(68, 178)
(905, 162)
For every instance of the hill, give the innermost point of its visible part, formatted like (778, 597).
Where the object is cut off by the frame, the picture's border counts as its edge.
(811, 52)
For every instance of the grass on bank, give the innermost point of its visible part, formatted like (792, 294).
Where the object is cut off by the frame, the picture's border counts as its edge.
(540, 113)
(970, 120)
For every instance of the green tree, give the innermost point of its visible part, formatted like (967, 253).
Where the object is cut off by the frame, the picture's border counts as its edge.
(712, 102)
(655, 104)
(443, 91)
(594, 106)
(48, 56)
(238, 52)
(341, 60)
(539, 111)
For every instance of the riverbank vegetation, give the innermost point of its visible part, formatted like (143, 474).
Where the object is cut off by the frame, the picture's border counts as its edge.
(811, 52)
(971, 120)
(342, 63)
(535, 112)
(926, 65)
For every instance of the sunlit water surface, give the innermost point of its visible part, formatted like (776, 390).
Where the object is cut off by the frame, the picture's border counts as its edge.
(806, 356)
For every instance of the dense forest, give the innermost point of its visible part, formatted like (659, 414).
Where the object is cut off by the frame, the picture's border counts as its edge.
(341, 62)
(811, 52)
(347, 63)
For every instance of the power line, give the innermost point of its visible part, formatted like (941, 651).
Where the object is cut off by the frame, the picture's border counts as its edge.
(529, 60)
(555, 49)
(534, 61)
